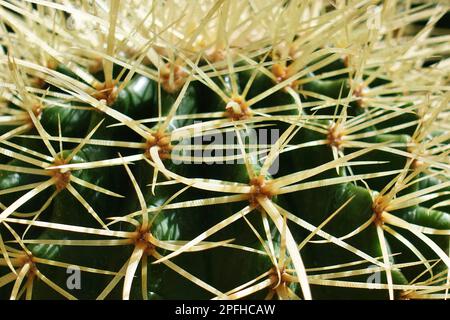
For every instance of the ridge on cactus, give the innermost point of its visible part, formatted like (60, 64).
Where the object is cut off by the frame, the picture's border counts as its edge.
(222, 149)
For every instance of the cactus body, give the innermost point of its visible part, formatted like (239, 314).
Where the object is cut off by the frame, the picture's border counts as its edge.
(307, 162)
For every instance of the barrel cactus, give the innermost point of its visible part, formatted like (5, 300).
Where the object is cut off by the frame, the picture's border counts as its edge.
(223, 149)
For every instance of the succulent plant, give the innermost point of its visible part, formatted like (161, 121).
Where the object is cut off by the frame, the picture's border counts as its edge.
(224, 149)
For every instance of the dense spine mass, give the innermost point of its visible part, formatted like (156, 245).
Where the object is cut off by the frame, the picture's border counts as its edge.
(265, 149)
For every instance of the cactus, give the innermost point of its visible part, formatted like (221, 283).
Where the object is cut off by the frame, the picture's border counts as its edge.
(224, 149)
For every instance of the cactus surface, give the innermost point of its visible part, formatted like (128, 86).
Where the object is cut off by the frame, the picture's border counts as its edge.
(224, 149)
